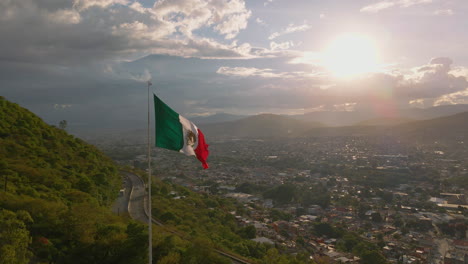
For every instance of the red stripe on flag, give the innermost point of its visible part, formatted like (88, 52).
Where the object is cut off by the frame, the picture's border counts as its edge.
(202, 150)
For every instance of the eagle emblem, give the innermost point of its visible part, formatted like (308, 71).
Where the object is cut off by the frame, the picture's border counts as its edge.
(191, 138)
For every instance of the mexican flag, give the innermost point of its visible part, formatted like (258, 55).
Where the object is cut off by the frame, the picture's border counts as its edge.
(175, 132)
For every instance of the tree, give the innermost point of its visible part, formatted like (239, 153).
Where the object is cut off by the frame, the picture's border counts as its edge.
(282, 194)
(171, 258)
(14, 237)
(63, 124)
(200, 252)
(376, 217)
(4, 171)
(248, 232)
(276, 214)
(325, 229)
(373, 257)
(273, 257)
(348, 242)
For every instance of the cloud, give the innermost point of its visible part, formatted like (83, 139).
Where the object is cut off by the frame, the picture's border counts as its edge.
(374, 8)
(444, 12)
(252, 72)
(281, 46)
(429, 81)
(228, 17)
(143, 77)
(85, 4)
(422, 86)
(433, 80)
(98, 31)
(295, 74)
(379, 6)
(418, 103)
(231, 27)
(242, 86)
(267, 2)
(311, 58)
(260, 21)
(65, 16)
(460, 97)
(290, 29)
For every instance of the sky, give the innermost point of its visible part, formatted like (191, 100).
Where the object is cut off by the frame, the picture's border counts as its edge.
(88, 61)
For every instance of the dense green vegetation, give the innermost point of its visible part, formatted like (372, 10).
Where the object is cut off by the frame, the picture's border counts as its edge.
(209, 221)
(55, 195)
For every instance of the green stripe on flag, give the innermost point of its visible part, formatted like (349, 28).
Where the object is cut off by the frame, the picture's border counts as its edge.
(169, 133)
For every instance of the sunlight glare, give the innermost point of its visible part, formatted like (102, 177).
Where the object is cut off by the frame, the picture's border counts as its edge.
(351, 55)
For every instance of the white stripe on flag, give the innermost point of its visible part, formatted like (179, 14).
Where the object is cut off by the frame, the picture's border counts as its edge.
(186, 126)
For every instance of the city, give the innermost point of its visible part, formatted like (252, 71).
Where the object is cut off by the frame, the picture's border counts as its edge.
(409, 199)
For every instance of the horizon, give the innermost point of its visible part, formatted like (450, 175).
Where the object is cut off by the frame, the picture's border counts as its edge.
(87, 61)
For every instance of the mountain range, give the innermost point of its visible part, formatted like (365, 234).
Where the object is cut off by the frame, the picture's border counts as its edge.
(453, 127)
(347, 118)
(358, 117)
(268, 125)
(264, 125)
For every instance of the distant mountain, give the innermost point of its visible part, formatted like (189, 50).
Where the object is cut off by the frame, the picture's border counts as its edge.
(384, 122)
(348, 118)
(434, 112)
(216, 118)
(270, 125)
(454, 127)
(264, 125)
(336, 118)
(449, 128)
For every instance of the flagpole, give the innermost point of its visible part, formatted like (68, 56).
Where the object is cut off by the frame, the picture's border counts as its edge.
(150, 232)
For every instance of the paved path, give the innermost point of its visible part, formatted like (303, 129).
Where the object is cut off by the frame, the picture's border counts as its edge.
(137, 198)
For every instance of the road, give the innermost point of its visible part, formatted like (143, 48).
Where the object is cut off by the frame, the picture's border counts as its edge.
(136, 207)
(137, 198)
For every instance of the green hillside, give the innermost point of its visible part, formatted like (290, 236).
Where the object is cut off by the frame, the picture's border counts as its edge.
(55, 194)
(55, 191)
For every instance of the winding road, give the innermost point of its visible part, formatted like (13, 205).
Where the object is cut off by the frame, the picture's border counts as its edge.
(136, 199)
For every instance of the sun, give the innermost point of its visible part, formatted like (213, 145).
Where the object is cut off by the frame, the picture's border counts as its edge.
(351, 55)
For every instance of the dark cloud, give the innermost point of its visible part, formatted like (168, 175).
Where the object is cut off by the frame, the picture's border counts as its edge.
(86, 31)
(433, 80)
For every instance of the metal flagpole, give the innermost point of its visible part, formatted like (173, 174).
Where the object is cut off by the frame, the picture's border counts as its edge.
(150, 233)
